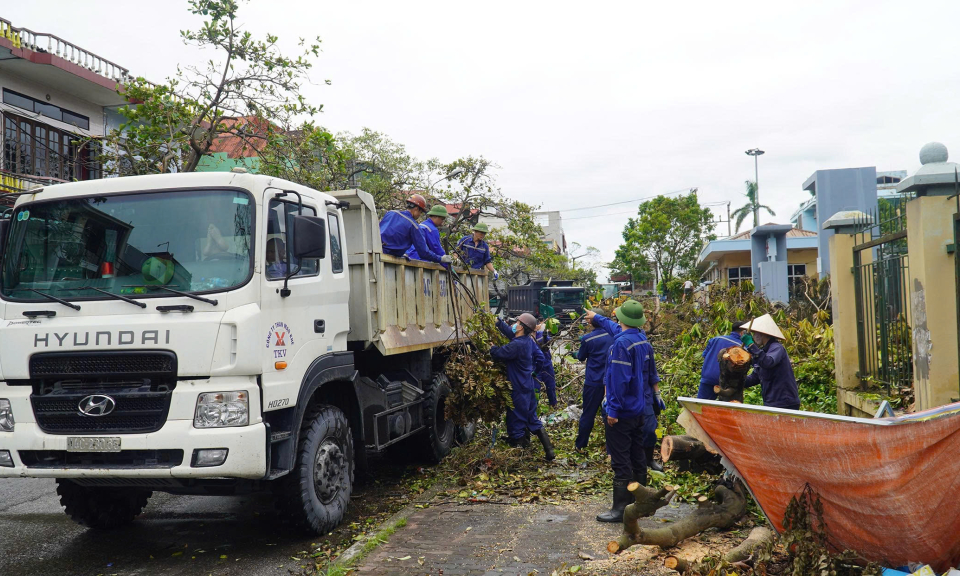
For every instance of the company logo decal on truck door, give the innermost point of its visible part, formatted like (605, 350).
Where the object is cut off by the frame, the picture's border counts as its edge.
(279, 337)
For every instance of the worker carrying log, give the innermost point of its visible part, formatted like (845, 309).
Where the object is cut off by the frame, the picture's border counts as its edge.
(594, 346)
(522, 358)
(710, 373)
(624, 384)
(772, 368)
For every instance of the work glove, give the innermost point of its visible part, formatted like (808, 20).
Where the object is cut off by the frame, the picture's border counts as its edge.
(747, 340)
(496, 275)
(659, 405)
(446, 259)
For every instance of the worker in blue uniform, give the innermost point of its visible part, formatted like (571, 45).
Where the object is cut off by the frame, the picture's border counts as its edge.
(624, 386)
(772, 368)
(653, 403)
(399, 231)
(476, 251)
(430, 228)
(519, 356)
(544, 375)
(594, 346)
(710, 373)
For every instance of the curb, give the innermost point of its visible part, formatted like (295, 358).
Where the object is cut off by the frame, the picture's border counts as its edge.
(353, 552)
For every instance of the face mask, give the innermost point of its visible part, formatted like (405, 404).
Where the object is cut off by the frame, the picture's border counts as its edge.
(514, 328)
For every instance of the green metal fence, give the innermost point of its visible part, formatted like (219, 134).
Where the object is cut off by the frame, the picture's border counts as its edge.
(881, 268)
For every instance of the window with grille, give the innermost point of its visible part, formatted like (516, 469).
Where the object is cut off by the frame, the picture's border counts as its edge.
(34, 148)
(738, 274)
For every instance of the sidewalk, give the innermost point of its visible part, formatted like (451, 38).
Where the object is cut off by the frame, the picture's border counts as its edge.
(452, 538)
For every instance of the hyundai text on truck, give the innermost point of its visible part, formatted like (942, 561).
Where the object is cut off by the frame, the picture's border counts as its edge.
(214, 334)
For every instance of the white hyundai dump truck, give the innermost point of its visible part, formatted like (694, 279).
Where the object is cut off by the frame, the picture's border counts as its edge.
(213, 334)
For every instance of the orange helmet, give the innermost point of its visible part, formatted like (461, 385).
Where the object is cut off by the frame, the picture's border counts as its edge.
(418, 201)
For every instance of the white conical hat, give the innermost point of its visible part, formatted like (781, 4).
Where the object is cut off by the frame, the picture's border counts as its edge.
(765, 325)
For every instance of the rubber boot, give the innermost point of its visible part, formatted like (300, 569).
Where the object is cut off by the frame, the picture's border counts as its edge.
(621, 497)
(547, 446)
(651, 463)
(640, 476)
(515, 442)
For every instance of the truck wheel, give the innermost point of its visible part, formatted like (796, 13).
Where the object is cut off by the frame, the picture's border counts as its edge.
(315, 494)
(465, 433)
(101, 508)
(440, 431)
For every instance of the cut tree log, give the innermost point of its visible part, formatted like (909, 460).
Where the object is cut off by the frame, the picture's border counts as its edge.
(731, 507)
(734, 364)
(692, 454)
(759, 536)
(646, 502)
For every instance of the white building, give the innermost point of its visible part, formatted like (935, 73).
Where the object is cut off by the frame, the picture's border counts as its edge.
(550, 222)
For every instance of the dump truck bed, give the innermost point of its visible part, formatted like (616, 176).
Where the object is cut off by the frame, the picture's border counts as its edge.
(399, 305)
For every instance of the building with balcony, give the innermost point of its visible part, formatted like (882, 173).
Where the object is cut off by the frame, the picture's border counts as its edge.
(54, 97)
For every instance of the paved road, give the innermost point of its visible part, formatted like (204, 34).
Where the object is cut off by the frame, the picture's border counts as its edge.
(175, 535)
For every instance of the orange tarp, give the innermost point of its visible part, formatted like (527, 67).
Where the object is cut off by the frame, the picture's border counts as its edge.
(890, 487)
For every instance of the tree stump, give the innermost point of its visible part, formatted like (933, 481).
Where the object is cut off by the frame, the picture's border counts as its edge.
(734, 364)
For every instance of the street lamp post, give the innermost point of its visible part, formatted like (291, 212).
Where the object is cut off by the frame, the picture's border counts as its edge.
(456, 172)
(756, 182)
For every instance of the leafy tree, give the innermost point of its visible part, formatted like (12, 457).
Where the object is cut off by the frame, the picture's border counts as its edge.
(171, 127)
(668, 234)
(752, 207)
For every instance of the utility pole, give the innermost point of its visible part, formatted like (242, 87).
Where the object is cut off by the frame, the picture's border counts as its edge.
(729, 229)
(755, 152)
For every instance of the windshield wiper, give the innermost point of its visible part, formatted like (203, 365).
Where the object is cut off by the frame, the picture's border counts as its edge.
(179, 293)
(112, 295)
(55, 299)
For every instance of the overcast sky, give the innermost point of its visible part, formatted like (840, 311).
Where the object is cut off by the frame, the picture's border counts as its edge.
(593, 103)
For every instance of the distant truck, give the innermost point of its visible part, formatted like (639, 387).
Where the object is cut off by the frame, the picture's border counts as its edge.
(215, 333)
(547, 299)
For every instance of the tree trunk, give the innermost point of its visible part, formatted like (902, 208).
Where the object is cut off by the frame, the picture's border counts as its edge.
(724, 514)
(734, 364)
(692, 454)
(759, 536)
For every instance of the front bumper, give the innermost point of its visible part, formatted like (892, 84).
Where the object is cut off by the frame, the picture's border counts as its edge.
(247, 445)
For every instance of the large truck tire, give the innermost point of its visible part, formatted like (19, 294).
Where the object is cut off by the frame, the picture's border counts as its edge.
(464, 433)
(438, 440)
(101, 508)
(315, 494)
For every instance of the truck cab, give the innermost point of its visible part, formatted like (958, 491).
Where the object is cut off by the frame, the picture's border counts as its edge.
(191, 333)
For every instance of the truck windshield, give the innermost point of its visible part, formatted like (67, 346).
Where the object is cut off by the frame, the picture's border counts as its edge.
(192, 241)
(568, 298)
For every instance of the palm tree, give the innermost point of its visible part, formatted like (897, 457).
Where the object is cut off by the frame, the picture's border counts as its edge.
(751, 207)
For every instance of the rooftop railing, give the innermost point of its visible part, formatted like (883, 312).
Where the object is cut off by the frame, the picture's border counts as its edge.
(48, 43)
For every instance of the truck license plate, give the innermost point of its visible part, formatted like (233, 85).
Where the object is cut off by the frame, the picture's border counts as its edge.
(78, 444)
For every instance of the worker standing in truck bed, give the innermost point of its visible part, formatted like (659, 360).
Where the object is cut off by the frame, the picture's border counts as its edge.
(399, 231)
(476, 251)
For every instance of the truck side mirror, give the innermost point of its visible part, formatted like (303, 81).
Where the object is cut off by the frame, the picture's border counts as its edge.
(309, 237)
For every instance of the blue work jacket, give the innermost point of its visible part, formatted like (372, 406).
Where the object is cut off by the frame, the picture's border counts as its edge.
(476, 253)
(431, 235)
(624, 378)
(593, 349)
(648, 367)
(544, 372)
(773, 371)
(710, 373)
(399, 231)
(522, 359)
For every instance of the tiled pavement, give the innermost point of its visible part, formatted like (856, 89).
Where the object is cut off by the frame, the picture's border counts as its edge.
(496, 539)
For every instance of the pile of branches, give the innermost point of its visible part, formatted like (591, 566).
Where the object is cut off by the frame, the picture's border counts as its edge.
(480, 389)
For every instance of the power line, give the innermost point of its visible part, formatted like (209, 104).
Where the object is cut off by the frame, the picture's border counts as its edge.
(624, 201)
(631, 211)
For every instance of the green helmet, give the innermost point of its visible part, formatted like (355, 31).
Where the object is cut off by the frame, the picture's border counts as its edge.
(480, 227)
(438, 210)
(631, 314)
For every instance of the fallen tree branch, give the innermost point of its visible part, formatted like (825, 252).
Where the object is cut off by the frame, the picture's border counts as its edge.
(731, 507)
(759, 536)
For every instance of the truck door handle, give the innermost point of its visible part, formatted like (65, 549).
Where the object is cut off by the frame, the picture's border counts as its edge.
(319, 326)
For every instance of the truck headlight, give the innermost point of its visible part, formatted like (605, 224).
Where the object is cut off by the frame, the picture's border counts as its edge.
(6, 416)
(220, 409)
